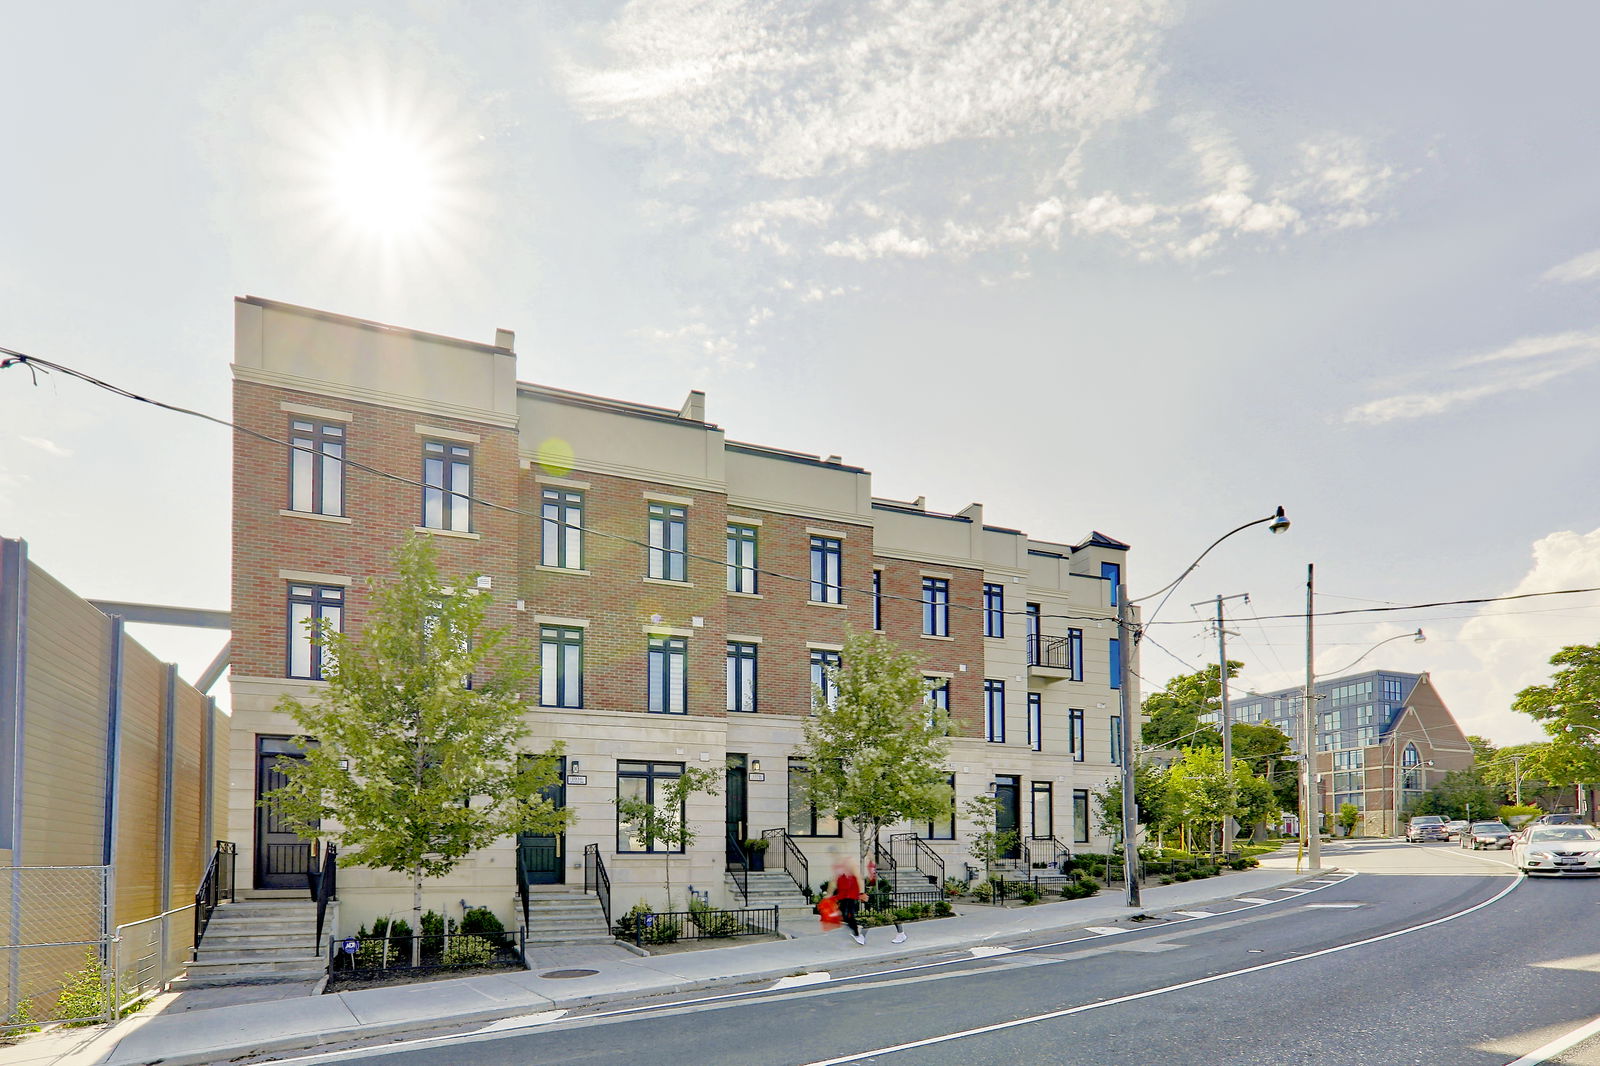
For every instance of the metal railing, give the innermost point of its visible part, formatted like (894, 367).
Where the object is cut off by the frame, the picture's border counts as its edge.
(216, 885)
(1053, 653)
(794, 860)
(367, 957)
(666, 927)
(912, 852)
(596, 880)
(147, 956)
(522, 885)
(1058, 851)
(739, 866)
(888, 901)
(326, 886)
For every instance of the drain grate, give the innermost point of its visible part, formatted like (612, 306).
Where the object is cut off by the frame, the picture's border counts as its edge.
(562, 975)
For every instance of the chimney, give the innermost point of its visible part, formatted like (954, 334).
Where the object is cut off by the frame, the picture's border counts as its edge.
(694, 407)
(505, 338)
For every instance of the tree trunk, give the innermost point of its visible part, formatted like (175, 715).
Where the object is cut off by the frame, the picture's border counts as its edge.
(416, 917)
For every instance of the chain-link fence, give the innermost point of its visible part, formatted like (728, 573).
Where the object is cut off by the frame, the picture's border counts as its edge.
(150, 953)
(52, 962)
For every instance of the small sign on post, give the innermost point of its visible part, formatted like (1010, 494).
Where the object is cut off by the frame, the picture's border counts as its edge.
(349, 945)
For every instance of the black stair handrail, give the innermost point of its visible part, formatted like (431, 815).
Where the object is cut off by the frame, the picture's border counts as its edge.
(327, 886)
(794, 860)
(522, 885)
(923, 858)
(739, 866)
(596, 880)
(1059, 852)
(216, 885)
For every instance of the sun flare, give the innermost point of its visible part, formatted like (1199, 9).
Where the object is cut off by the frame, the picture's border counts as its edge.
(384, 182)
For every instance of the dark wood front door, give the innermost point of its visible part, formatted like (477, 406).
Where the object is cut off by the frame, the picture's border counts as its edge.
(282, 857)
(1008, 813)
(738, 807)
(544, 856)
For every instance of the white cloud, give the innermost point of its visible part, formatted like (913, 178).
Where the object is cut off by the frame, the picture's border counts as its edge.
(49, 447)
(1525, 364)
(1582, 268)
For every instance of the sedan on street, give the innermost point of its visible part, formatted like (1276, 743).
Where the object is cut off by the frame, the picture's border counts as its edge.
(1557, 849)
(1486, 835)
(1454, 828)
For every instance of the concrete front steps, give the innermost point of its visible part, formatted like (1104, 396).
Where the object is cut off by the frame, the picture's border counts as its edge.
(558, 914)
(260, 941)
(770, 887)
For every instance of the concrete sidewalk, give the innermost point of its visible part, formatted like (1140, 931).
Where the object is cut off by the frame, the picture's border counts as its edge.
(223, 1033)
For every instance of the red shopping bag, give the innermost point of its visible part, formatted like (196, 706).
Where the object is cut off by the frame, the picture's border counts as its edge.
(828, 908)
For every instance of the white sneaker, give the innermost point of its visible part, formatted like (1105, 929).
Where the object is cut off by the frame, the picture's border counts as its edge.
(899, 938)
(860, 938)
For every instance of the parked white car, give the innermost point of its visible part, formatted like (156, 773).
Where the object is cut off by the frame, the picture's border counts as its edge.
(1557, 849)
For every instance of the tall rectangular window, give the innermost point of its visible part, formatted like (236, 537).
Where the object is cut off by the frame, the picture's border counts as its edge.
(945, 828)
(561, 529)
(994, 711)
(447, 486)
(669, 675)
(668, 552)
(316, 468)
(741, 676)
(646, 781)
(307, 604)
(826, 556)
(877, 600)
(1112, 573)
(938, 698)
(1075, 653)
(560, 666)
(1116, 663)
(822, 684)
(1044, 810)
(1034, 639)
(742, 559)
(994, 610)
(1036, 721)
(1116, 740)
(804, 819)
(935, 607)
(1080, 816)
(1075, 746)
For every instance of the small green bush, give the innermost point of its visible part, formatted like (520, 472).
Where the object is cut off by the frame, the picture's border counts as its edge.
(481, 921)
(1167, 879)
(711, 923)
(982, 891)
(644, 925)
(1183, 875)
(468, 950)
(1028, 895)
(85, 994)
(942, 909)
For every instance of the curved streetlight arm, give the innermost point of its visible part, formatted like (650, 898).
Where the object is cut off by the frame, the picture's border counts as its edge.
(1279, 524)
(1416, 637)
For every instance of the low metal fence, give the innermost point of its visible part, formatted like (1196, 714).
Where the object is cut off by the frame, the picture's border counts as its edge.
(360, 958)
(667, 927)
(149, 954)
(54, 951)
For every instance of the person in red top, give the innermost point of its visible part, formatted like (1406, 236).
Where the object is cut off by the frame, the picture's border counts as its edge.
(847, 890)
(872, 879)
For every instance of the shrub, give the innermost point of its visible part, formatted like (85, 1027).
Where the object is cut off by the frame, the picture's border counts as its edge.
(434, 928)
(953, 888)
(1082, 888)
(85, 995)
(468, 950)
(942, 909)
(481, 921)
(1183, 875)
(644, 925)
(982, 891)
(711, 923)
(1167, 879)
(1028, 895)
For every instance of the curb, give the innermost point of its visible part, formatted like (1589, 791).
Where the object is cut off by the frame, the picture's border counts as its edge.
(421, 1026)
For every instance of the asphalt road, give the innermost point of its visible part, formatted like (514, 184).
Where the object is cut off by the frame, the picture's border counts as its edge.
(1423, 955)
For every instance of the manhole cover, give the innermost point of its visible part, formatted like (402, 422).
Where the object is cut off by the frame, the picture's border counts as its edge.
(561, 975)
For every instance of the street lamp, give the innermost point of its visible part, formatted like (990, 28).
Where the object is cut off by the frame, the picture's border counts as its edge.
(1127, 636)
(1422, 771)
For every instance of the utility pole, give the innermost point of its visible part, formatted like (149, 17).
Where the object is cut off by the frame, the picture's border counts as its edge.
(1230, 828)
(1516, 779)
(1130, 810)
(1308, 729)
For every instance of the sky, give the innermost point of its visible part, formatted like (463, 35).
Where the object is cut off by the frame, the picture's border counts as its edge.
(1152, 269)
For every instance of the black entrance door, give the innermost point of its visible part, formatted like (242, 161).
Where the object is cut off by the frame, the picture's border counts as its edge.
(738, 807)
(1008, 813)
(282, 857)
(543, 856)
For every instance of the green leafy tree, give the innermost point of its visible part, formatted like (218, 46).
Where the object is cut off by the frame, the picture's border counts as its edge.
(1172, 716)
(1483, 749)
(1149, 796)
(877, 756)
(408, 768)
(1349, 815)
(1569, 709)
(1199, 790)
(1255, 798)
(989, 843)
(666, 822)
(1458, 792)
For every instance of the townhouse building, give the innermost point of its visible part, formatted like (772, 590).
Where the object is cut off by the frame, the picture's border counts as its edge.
(1383, 738)
(684, 594)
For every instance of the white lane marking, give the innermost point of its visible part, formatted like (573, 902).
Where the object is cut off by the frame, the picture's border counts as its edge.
(1332, 906)
(989, 950)
(1252, 899)
(800, 980)
(1104, 930)
(523, 1021)
(1198, 914)
(1298, 891)
(1558, 1045)
(1197, 982)
(1323, 881)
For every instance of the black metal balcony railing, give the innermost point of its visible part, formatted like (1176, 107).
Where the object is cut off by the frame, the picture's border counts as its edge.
(1052, 653)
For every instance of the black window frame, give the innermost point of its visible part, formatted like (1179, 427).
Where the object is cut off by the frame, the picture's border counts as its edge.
(310, 440)
(664, 561)
(797, 767)
(994, 609)
(320, 599)
(743, 673)
(443, 487)
(1075, 734)
(652, 773)
(877, 599)
(1116, 740)
(1075, 654)
(819, 660)
(665, 649)
(827, 553)
(1114, 661)
(561, 638)
(994, 710)
(941, 830)
(1047, 789)
(935, 606)
(555, 510)
(742, 536)
(1080, 816)
(1036, 721)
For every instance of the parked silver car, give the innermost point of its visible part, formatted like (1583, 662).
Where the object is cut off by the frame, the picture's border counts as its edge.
(1487, 835)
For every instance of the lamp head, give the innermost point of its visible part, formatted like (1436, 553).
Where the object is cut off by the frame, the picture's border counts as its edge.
(1279, 523)
(1418, 638)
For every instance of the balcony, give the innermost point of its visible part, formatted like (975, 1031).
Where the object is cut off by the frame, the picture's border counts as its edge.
(1050, 658)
